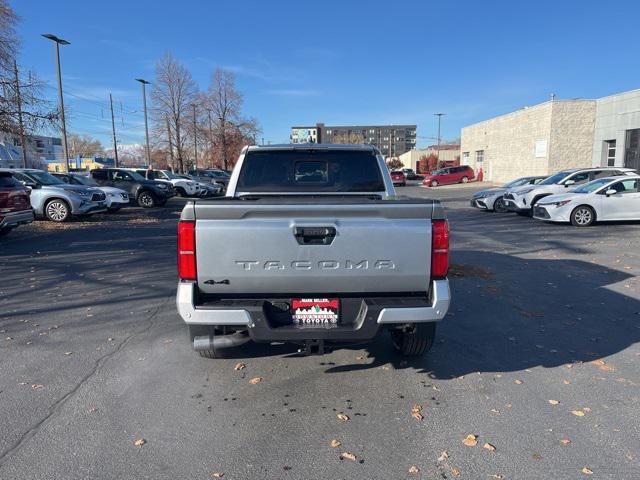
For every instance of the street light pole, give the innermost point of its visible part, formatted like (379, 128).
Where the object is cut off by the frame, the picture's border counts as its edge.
(58, 42)
(146, 124)
(439, 115)
(195, 137)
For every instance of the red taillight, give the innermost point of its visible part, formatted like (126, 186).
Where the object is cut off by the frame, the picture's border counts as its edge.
(187, 250)
(439, 248)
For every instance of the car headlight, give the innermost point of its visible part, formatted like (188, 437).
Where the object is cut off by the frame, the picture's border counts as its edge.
(83, 194)
(523, 192)
(161, 186)
(561, 204)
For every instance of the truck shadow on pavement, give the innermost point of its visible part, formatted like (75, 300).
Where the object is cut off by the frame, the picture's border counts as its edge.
(510, 314)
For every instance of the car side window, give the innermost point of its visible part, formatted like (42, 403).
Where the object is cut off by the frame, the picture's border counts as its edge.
(605, 173)
(579, 178)
(99, 174)
(21, 177)
(626, 186)
(120, 176)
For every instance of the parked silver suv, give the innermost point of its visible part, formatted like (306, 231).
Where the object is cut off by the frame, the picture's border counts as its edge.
(56, 200)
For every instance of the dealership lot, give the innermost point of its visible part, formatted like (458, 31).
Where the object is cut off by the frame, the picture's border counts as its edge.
(538, 358)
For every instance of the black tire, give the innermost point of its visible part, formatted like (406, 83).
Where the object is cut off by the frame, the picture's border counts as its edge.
(465, 180)
(146, 199)
(415, 343)
(181, 191)
(499, 206)
(434, 183)
(583, 216)
(5, 231)
(57, 210)
(113, 209)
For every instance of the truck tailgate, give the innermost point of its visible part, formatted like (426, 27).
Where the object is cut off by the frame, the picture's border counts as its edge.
(247, 248)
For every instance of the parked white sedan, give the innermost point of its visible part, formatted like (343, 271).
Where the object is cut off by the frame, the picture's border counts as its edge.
(609, 198)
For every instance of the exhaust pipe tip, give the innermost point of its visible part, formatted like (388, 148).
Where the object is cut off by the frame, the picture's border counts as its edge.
(210, 342)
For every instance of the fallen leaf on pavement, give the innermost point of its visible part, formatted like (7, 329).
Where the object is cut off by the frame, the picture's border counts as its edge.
(239, 366)
(455, 472)
(565, 441)
(413, 469)
(335, 443)
(567, 382)
(470, 440)
(68, 353)
(497, 477)
(443, 456)
(587, 471)
(417, 415)
(554, 402)
(518, 382)
(37, 386)
(416, 408)
(578, 413)
(255, 380)
(139, 442)
(342, 417)
(217, 474)
(348, 456)
(488, 446)
(586, 409)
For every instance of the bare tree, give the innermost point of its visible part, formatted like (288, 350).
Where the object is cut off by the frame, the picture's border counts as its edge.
(229, 129)
(173, 94)
(84, 145)
(23, 109)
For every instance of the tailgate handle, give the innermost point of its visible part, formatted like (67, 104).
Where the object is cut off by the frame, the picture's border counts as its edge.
(314, 235)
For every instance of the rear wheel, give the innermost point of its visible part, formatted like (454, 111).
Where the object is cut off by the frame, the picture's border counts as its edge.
(57, 210)
(415, 341)
(434, 183)
(146, 200)
(499, 206)
(582, 216)
(465, 179)
(181, 191)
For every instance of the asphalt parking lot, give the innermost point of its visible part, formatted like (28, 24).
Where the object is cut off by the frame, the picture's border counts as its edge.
(538, 359)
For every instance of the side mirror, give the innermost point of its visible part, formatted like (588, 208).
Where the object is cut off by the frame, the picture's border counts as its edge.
(32, 185)
(611, 191)
(569, 183)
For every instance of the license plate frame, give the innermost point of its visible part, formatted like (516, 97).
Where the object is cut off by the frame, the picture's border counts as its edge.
(315, 312)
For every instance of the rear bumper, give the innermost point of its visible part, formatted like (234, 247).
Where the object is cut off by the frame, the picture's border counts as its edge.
(362, 317)
(13, 219)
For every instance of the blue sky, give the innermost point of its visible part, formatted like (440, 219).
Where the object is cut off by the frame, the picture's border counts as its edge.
(337, 62)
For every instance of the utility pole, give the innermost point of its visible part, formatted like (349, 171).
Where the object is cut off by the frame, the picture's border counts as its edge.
(58, 42)
(20, 123)
(439, 115)
(195, 138)
(146, 125)
(113, 127)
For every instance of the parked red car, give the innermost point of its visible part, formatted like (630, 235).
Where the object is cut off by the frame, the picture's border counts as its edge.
(15, 207)
(449, 175)
(399, 178)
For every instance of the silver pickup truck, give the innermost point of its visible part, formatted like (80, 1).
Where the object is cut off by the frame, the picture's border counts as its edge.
(311, 245)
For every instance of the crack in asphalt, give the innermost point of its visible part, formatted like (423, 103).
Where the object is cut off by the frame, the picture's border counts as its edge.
(58, 404)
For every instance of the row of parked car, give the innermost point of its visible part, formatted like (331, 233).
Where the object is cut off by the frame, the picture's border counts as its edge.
(579, 196)
(29, 193)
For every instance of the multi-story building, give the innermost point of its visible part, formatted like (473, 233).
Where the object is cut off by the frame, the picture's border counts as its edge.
(392, 140)
(40, 149)
(616, 139)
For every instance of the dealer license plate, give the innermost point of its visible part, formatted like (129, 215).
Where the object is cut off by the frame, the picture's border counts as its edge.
(315, 312)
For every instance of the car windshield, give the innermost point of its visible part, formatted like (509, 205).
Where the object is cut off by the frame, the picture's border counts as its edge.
(85, 180)
(556, 178)
(45, 178)
(591, 186)
(172, 176)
